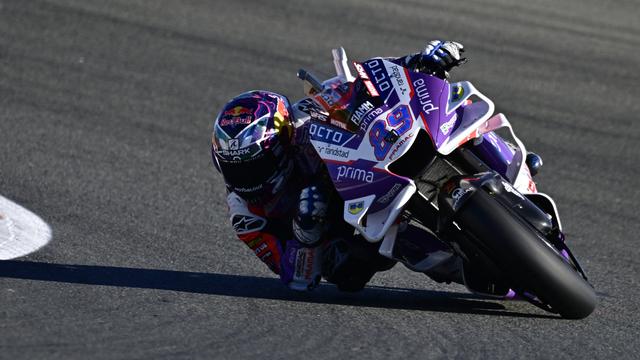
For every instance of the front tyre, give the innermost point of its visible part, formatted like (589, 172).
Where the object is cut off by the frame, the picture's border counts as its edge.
(520, 252)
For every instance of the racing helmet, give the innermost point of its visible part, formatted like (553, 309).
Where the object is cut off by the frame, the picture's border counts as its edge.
(251, 144)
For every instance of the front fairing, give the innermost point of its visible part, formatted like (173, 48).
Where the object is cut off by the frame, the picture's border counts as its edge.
(378, 128)
(359, 146)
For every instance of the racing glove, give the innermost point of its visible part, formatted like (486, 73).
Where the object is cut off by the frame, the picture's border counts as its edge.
(302, 261)
(438, 58)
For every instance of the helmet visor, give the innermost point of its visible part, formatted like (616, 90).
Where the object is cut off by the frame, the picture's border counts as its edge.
(250, 178)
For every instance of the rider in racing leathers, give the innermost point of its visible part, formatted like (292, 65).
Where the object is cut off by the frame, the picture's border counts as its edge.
(280, 198)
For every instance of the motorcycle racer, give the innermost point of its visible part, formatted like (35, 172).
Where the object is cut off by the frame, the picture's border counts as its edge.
(280, 199)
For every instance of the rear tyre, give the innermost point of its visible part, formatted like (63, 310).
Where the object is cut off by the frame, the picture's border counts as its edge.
(523, 254)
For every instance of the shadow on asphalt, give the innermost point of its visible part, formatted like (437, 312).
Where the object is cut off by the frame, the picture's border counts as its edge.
(256, 287)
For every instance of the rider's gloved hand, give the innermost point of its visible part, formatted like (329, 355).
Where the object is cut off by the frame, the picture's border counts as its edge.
(439, 57)
(302, 261)
(309, 222)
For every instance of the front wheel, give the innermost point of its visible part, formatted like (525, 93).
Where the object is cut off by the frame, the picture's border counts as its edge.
(520, 252)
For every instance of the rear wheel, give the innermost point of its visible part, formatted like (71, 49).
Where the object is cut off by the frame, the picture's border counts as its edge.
(530, 263)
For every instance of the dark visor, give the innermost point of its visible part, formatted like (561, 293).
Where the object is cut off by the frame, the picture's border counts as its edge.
(248, 176)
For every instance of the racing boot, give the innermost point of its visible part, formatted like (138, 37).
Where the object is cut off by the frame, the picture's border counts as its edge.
(301, 266)
(350, 265)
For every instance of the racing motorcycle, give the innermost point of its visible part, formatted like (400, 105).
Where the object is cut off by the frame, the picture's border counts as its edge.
(403, 146)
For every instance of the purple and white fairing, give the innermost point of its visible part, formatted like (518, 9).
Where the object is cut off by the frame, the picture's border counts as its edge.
(358, 162)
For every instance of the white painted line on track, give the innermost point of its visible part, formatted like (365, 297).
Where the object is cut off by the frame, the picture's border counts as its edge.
(21, 231)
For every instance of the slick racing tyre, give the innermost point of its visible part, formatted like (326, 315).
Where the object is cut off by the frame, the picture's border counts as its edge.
(530, 263)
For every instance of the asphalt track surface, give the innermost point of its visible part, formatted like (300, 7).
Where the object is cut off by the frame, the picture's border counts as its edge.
(105, 120)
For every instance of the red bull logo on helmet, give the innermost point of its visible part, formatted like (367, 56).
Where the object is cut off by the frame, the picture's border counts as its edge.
(238, 111)
(238, 115)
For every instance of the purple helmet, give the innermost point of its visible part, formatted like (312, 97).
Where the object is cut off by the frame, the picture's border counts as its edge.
(250, 145)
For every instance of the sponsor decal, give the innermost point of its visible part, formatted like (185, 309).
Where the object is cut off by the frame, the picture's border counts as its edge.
(356, 207)
(244, 120)
(234, 144)
(390, 194)
(253, 241)
(365, 79)
(247, 190)
(243, 224)
(399, 145)
(457, 92)
(424, 97)
(457, 194)
(379, 74)
(304, 263)
(339, 124)
(371, 89)
(446, 127)
(313, 109)
(308, 269)
(361, 111)
(318, 116)
(238, 111)
(235, 153)
(333, 152)
(352, 173)
(399, 80)
(364, 125)
(328, 134)
(330, 97)
(361, 73)
(260, 248)
(306, 104)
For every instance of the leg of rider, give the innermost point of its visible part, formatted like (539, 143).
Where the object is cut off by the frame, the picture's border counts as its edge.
(351, 261)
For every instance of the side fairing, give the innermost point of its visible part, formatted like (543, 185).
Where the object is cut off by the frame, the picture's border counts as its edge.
(358, 161)
(406, 103)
